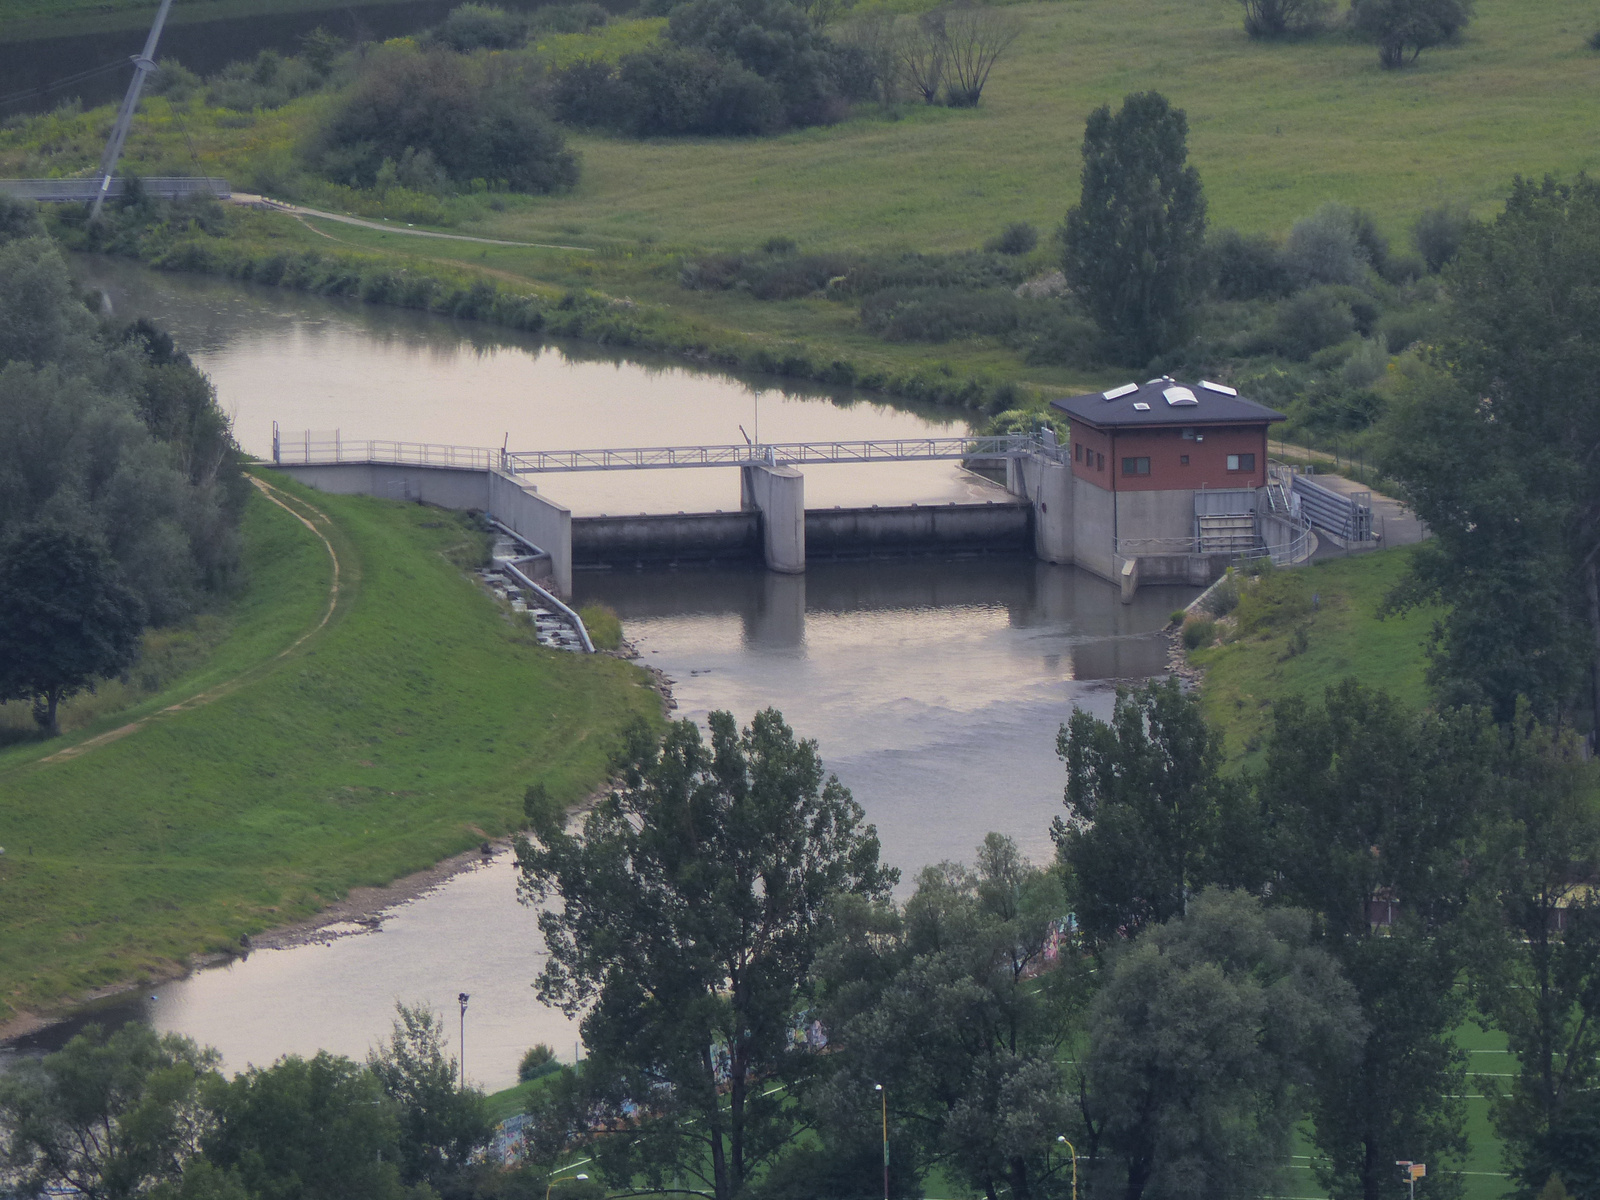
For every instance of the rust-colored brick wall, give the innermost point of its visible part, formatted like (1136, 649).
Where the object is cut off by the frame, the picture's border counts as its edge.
(1207, 450)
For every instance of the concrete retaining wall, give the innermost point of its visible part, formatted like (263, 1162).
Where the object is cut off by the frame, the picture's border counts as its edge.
(542, 521)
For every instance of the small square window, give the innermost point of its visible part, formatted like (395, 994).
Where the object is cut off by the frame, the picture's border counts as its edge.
(1136, 466)
(1183, 460)
(1247, 462)
(1233, 462)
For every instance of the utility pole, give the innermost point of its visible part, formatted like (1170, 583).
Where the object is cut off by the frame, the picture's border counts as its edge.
(462, 1000)
(142, 66)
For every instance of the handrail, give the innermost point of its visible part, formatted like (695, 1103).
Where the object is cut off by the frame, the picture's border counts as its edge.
(314, 449)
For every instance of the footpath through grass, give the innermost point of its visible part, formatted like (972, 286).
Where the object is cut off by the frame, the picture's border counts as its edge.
(1244, 678)
(404, 731)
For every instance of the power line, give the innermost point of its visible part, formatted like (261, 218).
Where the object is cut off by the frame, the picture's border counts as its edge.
(45, 89)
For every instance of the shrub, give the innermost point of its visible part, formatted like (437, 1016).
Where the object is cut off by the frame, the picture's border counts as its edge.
(480, 27)
(566, 18)
(1056, 332)
(666, 91)
(1017, 238)
(1247, 267)
(1437, 234)
(174, 80)
(537, 1063)
(1199, 632)
(1284, 18)
(441, 104)
(1223, 597)
(939, 314)
(779, 245)
(1307, 322)
(1594, 40)
(271, 81)
(1403, 29)
(1327, 247)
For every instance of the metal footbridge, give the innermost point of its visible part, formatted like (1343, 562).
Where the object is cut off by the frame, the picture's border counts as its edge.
(316, 449)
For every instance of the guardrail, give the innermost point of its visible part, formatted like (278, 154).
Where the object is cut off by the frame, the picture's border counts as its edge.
(312, 448)
(1296, 550)
(165, 187)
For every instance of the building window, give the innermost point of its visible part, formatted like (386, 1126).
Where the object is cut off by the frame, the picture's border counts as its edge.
(1241, 462)
(1183, 460)
(1077, 451)
(1136, 466)
(1099, 461)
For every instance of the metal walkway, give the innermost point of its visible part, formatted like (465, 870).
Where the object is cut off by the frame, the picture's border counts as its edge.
(317, 449)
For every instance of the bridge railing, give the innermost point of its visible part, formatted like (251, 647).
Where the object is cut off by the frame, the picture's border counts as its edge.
(312, 447)
(164, 187)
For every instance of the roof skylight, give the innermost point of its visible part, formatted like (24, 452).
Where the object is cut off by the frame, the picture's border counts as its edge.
(1177, 396)
(1140, 406)
(1219, 387)
(1126, 389)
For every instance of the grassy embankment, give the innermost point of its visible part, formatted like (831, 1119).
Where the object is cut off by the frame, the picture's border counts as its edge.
(1246, 676)
(1276, 129)
(404, 731)
(23, 20)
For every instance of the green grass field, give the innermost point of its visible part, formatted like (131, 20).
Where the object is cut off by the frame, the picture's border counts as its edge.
(1245, 677)
(404, 731)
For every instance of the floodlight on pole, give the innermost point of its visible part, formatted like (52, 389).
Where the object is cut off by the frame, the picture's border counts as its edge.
(142, 66)
(1073, 1152)
(462, 999)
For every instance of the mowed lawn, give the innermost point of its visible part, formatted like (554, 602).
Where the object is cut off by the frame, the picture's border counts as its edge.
(1275, 130)
(404, 731)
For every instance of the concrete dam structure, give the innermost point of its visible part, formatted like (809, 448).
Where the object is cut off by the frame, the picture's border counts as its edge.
(1128, 525)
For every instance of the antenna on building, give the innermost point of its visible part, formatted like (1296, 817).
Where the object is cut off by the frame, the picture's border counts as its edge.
(142, 66)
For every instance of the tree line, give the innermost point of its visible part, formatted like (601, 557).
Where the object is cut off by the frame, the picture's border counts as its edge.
(121, 488)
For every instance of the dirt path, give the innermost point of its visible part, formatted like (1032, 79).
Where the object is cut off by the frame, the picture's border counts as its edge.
(201, 699)
(302, 212)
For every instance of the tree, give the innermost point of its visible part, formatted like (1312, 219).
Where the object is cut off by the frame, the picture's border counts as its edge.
(1198, 1043)
(1535, 966)
(108, 1115)
(1367, 802)
(1284, 18)
(1146, 811)
(306, 1129)
(1403, 29)
(1135, 240)
(959, 1003)
(65, 619)
(1496, 442)
(441, 1124)
(693, 906)
(975, 36)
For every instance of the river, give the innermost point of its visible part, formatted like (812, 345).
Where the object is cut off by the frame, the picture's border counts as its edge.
(934, 687)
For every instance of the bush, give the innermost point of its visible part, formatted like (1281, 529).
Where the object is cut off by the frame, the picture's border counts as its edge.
(442, 105)
(537, 1062)
(1223, 598)
(779, 245)
(1403, 29)
(1199, 632)
(480, 27)
(1018, 238)
(667, 91)
(1437, 234)
(1328, 247)
(1284, 18)
(939, 314)
(271, 81)
(1056, 332)
(1594, 40)
(1307, 322)
(566, 18)
(1247, 267)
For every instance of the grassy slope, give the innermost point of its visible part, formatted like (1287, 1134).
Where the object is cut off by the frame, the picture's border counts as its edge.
(1276, 129)
(404, 732)
(22, 20)
(1244, 678)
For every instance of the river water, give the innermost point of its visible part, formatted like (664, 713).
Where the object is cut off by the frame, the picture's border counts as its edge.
(934, 687)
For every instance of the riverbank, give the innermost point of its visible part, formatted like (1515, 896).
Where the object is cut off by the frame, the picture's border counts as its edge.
(400, 735)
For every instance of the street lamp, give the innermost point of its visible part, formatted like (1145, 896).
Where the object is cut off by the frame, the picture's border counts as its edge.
(1414, 1171)
(884, 1093)
(1074, 1153)
(554, 1179)
(462, 999)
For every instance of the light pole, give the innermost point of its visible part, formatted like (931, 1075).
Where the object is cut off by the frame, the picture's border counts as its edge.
(1071, 1150)
(883, 1092)
(554, 1179)
(1414, 1171)
(462, 999)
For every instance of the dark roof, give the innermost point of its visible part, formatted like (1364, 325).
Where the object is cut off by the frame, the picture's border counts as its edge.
(1211, 405)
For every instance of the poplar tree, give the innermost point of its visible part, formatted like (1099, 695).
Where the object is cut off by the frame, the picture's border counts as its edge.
(1133, 243)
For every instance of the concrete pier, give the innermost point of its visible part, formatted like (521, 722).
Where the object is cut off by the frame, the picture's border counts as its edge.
(779, 495)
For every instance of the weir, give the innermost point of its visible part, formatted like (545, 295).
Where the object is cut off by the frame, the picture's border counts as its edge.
(1052, 510)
